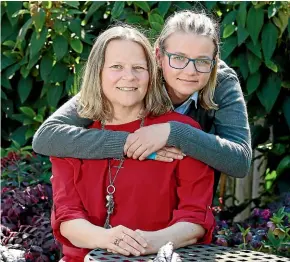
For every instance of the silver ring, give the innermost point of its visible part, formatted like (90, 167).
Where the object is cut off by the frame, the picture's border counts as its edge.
(117, 241)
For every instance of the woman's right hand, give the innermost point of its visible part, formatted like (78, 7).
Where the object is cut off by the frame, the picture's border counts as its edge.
(124, 241)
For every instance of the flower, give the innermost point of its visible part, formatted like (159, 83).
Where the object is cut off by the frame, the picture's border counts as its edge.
(266, 214)
(271, 225)
(256, 212)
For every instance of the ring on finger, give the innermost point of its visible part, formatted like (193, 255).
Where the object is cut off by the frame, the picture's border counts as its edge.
(117, 241)
(123, 236)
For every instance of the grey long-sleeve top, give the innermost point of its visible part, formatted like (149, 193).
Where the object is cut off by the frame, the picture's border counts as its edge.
(226, 148)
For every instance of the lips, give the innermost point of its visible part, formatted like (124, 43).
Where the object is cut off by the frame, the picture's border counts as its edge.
(128, 89)
(188, 81)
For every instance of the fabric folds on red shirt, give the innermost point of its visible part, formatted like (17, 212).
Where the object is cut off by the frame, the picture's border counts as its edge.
(150, 195)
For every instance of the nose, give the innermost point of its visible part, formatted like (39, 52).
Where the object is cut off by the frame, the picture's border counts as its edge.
(128, 74)
(190, 68)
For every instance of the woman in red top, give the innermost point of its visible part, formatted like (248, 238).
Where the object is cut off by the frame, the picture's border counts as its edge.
(124, 205)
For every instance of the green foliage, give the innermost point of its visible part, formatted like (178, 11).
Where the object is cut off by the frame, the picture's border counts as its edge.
(46, 43)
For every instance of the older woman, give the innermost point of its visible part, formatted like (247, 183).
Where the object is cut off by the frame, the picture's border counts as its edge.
(124, 205)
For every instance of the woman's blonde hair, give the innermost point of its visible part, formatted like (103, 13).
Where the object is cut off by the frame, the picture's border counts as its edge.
(92, 102)
(198, 24)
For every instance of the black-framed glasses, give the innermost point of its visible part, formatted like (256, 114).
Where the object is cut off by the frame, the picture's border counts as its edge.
(201, 65)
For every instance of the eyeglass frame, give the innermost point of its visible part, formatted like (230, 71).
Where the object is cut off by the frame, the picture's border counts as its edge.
(213, 61)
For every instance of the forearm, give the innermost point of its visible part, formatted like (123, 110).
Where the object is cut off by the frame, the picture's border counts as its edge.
(63, 135)
(83, 234)
(228, 157)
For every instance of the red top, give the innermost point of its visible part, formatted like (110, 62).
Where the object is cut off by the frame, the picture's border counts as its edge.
(150, 195)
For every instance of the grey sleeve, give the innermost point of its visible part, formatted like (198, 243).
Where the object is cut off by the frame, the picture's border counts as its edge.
(229, 149)
(64, 134)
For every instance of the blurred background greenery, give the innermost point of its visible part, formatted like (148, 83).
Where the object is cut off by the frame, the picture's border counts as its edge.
(44, 46)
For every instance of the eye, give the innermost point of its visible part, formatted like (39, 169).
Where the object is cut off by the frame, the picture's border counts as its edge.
(203, 61)
(116, 66)
(139, 68)
(178, 57)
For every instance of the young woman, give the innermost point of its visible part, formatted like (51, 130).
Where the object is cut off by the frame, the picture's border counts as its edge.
(223, 142)
(125, 205)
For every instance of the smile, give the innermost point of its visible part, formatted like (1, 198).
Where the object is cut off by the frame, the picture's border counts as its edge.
(188, 81)
(127, 88)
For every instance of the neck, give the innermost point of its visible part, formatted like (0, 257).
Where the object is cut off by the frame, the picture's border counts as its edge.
(176, 99)
(123, 115)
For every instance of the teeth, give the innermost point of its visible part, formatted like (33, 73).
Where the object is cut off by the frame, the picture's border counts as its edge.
(127, 88)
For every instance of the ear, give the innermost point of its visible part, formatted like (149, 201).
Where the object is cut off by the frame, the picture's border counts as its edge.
(158, 56)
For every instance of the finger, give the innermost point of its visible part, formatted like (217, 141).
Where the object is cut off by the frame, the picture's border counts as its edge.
(139, 151)
(130, 140)
(126, 246)
(145, 154)
(174, 150)
(136, 236)
(168, 154)
(163, 159)
(175, 257)
(111, 251)
(131, 150)
(118, 249)
(134, 244)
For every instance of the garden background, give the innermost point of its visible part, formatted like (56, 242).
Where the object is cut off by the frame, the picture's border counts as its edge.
(44, 46)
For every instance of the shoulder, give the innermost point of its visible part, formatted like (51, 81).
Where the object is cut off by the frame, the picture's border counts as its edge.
(173, 116)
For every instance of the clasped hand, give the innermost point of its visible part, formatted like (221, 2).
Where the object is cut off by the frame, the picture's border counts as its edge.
(150, 139)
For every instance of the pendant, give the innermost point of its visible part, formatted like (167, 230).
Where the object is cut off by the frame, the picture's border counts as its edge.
(110, 208)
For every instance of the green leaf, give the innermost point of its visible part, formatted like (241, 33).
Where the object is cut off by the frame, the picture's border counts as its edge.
(29, 133)
(283, 165)
(38, 19)
(33, 61)
(272, 10)
(3, 95)
(228, 47)
(28, 111)
(11, 8)
(75, 26)
(9, 43)
(76, 45)
(163, 7)
(5, 81)
(255, 49)
(59, 73)
(242, 15)
(229, 18)
(118, 9)
(7, 61)
(281, 21)
(229, 30)
(45, 67)
(23, 30)
(143, 5)
(6, 30)
(269, 40)
(182, 5)
(286, 110)
(59, 26)
(69, 83)
(268, 94)
(60, 46)
(37, 42)
(253, 82)
(20, 12)
(18, 135)
(93, 8)
(243, 65)
(10, 71)
(135, 19)
(271, 65)
(289, 27)
(24, 88)
(210, 4)
(53, 95)
(74, 4)
(254, 62)
(38, 118)
(156, 21)
(255, 22)
(242, 35)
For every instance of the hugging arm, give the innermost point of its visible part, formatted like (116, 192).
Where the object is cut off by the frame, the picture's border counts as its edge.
(229, 149)
(64, 134)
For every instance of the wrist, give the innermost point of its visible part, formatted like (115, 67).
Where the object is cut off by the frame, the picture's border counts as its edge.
(98, 237)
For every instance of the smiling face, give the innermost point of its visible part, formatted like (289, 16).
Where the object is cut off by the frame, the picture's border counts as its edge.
(182, 83)
(125, 76)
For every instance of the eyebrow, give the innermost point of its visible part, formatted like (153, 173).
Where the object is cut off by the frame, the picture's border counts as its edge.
(201, 56)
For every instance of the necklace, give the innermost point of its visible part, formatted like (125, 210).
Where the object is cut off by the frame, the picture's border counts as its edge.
(111, 187)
